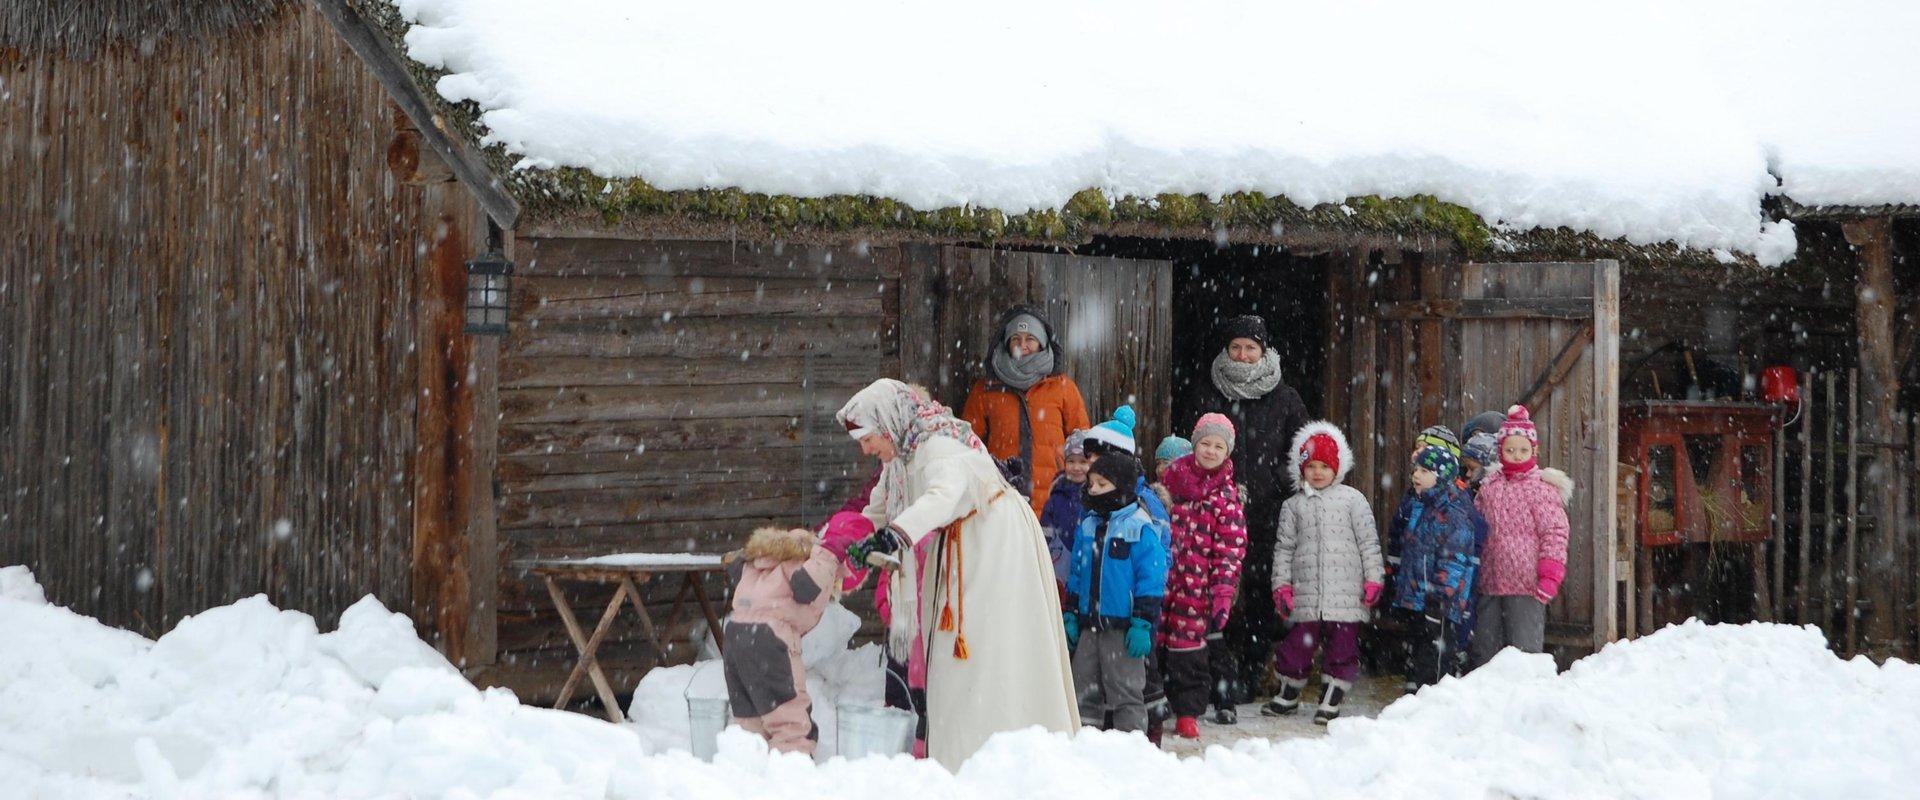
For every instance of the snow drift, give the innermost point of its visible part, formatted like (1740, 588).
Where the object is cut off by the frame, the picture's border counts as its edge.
(250, 701)
(1640, 119)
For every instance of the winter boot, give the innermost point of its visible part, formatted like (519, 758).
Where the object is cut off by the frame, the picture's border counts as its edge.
(1187, 728)
(1287, 701)
(1330, 703)
(1157, 715)
(1226, 715)
(1223, 706)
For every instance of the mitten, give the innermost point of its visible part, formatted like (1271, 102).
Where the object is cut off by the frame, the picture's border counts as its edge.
(1222, 607)
(884, 541)
(1551, 574)
(1369, 594)
(1073, 629)
(1283, 599)
(1139, 638)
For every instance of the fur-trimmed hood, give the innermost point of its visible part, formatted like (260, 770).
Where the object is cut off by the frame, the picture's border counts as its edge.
(1561, 482)
(1297, 457)
(778, 545)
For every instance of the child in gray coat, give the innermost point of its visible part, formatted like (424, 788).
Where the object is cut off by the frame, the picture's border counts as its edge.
(1327, 571)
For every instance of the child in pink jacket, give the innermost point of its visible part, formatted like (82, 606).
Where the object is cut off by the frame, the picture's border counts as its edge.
(1525, 558)
(782, 582)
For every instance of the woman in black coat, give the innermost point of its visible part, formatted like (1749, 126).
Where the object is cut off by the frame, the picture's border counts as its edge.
(1244, 383)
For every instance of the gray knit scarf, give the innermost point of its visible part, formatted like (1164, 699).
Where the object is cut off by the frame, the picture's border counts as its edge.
(1246, 381)
(1023, 372)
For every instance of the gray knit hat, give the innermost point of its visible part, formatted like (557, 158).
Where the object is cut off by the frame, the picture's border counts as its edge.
(1028, 324)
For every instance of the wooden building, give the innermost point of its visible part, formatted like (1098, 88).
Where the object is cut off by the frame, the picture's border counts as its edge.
(236, 360)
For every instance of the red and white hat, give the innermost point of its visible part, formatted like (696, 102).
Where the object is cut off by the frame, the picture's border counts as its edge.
(1519, 423)
(1321, 441)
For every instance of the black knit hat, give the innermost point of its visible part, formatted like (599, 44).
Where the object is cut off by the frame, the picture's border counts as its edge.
(1120, 469)
(1246, 326)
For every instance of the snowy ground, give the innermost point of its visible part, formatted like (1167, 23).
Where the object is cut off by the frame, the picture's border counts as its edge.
(1369, 696)
(247, 701)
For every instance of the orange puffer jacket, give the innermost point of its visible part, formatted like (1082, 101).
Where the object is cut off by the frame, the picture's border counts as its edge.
(1054, 409)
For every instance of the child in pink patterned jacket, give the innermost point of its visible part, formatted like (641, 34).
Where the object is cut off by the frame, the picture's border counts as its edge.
(1209, 541)
(1525, 558)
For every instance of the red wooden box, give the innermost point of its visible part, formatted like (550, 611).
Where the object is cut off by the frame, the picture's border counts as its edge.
(1706, 470)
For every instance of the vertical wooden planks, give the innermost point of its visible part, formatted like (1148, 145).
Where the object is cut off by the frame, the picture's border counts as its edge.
(205, 318)
(1603, 433)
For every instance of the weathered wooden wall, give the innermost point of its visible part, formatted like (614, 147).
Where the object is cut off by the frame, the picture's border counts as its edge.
(207, 300)
(1429, 341)
(1113, 316)
(672, 396)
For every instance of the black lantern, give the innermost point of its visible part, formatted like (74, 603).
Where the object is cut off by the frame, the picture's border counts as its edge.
(487, 279)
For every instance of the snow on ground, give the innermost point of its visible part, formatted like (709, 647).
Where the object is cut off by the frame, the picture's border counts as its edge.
(1642, 119)
(247, 701)
(648, 560)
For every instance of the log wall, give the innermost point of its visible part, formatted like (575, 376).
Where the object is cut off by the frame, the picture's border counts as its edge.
(207, 299)
(673, 396)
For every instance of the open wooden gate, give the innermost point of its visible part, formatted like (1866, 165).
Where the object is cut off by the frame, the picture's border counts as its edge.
(1113, 316)
(1435, 342)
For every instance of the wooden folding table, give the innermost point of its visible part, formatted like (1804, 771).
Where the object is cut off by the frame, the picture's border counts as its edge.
(626, 571)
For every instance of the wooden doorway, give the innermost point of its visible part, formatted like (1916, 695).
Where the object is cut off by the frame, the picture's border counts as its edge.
(1112, 315)
(1430, 341)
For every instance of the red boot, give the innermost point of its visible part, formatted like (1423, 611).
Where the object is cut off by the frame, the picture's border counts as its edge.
(1187, 728)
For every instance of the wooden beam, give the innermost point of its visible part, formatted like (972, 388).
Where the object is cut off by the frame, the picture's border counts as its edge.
(1558, 370)
(1432, 357)
(389, 67)
(1488, 308)
(1878, 391)
(1604, 438)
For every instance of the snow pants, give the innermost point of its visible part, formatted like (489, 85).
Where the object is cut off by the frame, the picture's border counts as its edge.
(1194, 675)
(767, 687)
(1340, 641)
(1433, 649)
(1108, 681)
(1517, 620)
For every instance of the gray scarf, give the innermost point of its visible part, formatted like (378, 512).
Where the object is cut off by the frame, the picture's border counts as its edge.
(1246, 381)
(1023, 372)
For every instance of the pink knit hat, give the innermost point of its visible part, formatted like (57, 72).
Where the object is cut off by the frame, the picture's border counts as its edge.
(1214, 425)
(1519, 423)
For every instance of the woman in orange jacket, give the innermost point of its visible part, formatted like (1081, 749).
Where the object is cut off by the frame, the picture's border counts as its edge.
(1025, 372)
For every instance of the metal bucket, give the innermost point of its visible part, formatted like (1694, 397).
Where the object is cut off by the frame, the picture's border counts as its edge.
(706, 718)
(875, 731)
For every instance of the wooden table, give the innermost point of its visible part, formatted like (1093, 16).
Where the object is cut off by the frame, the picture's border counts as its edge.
(626, 571)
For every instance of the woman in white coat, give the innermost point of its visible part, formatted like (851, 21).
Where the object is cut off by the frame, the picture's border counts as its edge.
(989, 614)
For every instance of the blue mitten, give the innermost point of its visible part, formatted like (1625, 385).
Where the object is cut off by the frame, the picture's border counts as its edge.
(1073, 629)
(1139, 638)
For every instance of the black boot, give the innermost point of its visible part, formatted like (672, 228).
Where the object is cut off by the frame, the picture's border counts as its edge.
(1330, 703)
(1287, 701)
(1224, 712)
(1157, 715)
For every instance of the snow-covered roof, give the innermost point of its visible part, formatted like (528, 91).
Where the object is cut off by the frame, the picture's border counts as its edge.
(1636, 119)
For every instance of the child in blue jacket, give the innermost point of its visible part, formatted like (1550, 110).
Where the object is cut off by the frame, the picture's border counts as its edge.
(1060, 517)
(1114, 591)
(1439, 534)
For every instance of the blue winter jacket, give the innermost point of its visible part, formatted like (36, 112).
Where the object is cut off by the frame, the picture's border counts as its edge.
(1128, 578)
(1439, 533)
(1060, 518)
(1150, 500)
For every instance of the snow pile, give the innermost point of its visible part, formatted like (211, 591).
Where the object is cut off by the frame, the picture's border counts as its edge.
(1641, 119)
(836, 676)
(249, 701)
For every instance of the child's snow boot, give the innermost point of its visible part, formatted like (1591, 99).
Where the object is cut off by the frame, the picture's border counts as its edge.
(1223, 710)
(1287, 701)
(1330, 704)
(1187, 728)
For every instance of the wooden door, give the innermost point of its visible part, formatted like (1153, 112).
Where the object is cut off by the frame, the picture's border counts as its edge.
(1113, 317)
(1444, 341)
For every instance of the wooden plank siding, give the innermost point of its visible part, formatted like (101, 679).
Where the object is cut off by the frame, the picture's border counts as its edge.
(1113, 316)
(673, 396)
(208, 295)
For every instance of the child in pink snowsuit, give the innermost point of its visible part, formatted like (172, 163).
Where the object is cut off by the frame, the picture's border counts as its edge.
(1525, 558)
(782, 581)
